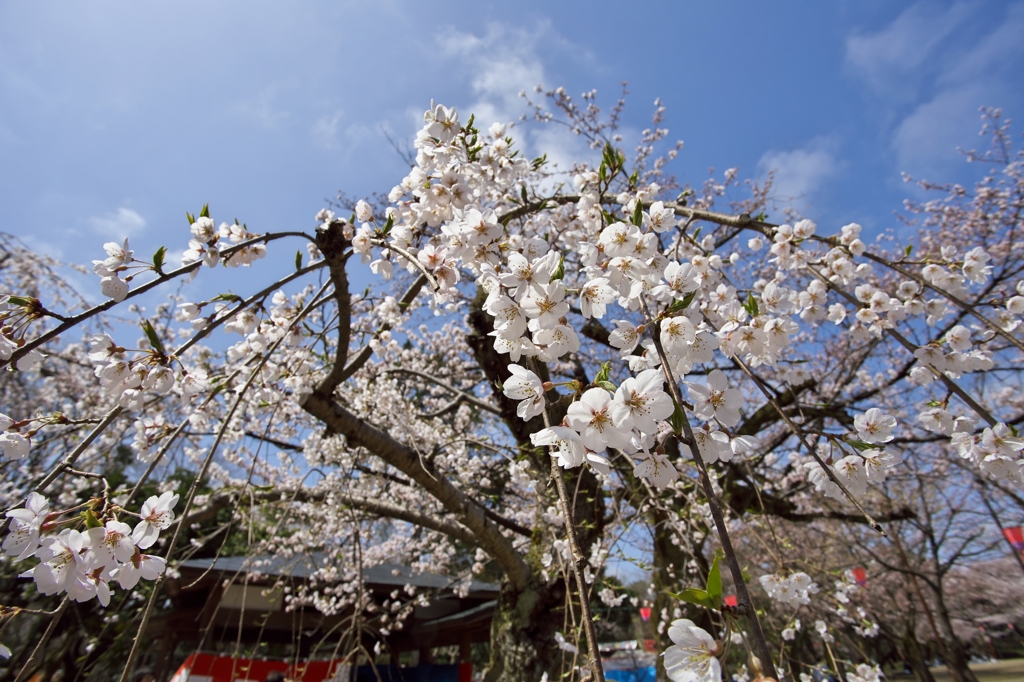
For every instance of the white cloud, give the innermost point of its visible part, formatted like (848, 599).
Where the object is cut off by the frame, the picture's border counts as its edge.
(799, 173)
(122, 223)
(931, 69)
(504, 62)
(888, 59)
(263, 109)
(325, 130)
(927, 138)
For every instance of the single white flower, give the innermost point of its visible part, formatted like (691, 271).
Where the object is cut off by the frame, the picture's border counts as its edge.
(641, 401)
(61, 561)
(157, 514)
(364, 213)
(139, 566)
(692, 658)
(715, 399)
(874, 426)
(23, 535)
(565, 444)
(595, 296)
(111, 543)
(591, 417)
(527, 387)
(114, 287)
(564, 645)
(15, 445)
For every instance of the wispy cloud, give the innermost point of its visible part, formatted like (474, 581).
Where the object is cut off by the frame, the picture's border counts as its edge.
(119, 224)
(891, 60)
(325, 130)
(507, 61)
(263, 107)
(504, 62)
(799, 173)
(930, 70)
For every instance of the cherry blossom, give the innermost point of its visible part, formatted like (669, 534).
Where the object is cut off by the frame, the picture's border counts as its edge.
(641, 402)
(692, 657)
(591, 417)
(716, 400)
(23, 536)
(157, 514)
(874, 426)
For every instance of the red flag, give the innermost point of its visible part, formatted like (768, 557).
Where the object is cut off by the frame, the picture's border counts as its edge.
(730, 600)
(860, 575)
(1015, 537)
(645, 613)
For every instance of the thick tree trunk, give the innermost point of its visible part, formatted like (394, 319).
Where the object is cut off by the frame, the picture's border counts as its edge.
(916, 656)
(956, 654)
(523, 629)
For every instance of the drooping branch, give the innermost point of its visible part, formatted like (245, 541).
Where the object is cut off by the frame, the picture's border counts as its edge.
(360, 432)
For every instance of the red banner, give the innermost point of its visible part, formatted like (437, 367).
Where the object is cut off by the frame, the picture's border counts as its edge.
(1015, 537)
(860, 575)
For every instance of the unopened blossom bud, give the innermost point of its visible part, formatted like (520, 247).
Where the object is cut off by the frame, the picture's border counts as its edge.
(364, 213)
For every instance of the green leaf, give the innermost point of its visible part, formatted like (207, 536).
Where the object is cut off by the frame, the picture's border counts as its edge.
(539, 161)
(859, 444)
(158, 259)
(609, 156)
(604, 373)
(523, 194)
(226, 297)
(154, 340)
(609, 218)
(638, 214)
(906, 251)
(388, 225)
(761, 217)
(90, 520)
(751, 305)
(559, 272)
(714, 584)
(205, 212)
(933, 403)
(677, 419)
(602, 172)
(678, 306)
(298, 260)
(606, 385)
(20, 300)
(692, 595)
(191, 218)
(634, 178)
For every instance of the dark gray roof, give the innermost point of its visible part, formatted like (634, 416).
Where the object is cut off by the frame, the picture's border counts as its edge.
(303, 565)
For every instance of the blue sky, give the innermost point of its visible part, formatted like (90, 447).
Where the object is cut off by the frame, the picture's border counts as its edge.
(117, 117)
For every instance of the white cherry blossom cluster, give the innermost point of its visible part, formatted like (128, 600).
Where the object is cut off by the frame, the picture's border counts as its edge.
(15, 312)
(83, 564)
(207, 242)
(119, 259)
(127, 380)
(14, 444)
(794, 589)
